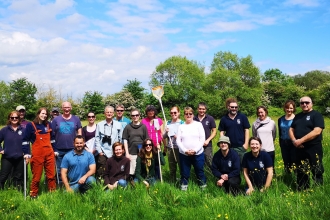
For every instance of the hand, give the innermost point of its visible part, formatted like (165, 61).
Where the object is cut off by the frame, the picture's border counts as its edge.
(220, 182)
(56, 154)
(101, 154)
(128, 156)
(224, 176)
(82, 180)
(2, 152)
(249, 191)
(146, 183)
(297, 143)
(27, 158)
(69, 190)
(262, 189)
(158, 146)
(206, 142)
(245, 146)
(167, 130)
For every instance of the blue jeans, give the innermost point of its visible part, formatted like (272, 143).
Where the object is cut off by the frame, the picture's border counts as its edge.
(122, 183)
(82, 188)
(59, 158)
(198, 163)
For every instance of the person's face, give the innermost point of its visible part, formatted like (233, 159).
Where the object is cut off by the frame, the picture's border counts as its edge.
(120, 112)
(201, 110)
(119, 151)
(55, 114)
(255, 146)
(109, 113)
(66, 108)
(289, 109)
(79, 145)
(174, 113)
(135, 116)
(151, 114)
(148, 146)
(224, 146)
(306, 104)
(91, 117)
(42, 115)
(22, 113)
(262, 114)
(188, 116)
(233, 108)
(14, 119)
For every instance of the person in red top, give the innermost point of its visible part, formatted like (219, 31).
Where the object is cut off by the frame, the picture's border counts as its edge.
(38, 133)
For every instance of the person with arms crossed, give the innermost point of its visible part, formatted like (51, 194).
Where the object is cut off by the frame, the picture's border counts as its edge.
(306, 135)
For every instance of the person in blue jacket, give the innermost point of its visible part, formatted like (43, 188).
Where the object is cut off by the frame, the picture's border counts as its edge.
(11, 150)
(226, 166)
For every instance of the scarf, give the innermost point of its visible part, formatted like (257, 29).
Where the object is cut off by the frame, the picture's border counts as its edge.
(148, 161)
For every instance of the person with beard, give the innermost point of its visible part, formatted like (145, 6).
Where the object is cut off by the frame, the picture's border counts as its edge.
(236, 126)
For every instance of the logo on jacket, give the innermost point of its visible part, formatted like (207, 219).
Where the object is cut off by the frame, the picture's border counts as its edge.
(261, 165)
(229, 163)
(122, 168)
(19, 132)
(239, 121)
(308, 117)
(207, 123)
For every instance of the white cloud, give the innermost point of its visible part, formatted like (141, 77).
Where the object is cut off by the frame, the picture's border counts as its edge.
(304, 3)
(228, 26)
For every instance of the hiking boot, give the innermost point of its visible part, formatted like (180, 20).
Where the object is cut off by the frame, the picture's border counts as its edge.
(184, 187)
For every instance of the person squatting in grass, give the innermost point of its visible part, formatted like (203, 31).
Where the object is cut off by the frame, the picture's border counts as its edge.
(226, 167)
(190, 139)
(257, 167)
(78, 167)
(173, 151)
(11, 150)
(38, 133)
(146, 162)
(117, 168)
(306, 135)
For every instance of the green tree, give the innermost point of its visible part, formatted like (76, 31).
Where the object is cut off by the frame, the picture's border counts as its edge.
(137, 91)
(5, 102)
(23, 92)
(276, 75)
(92, 101)
(123, 97)
(312, 79)
(48, 98)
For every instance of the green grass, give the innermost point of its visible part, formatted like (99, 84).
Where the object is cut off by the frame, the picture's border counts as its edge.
(166, 201)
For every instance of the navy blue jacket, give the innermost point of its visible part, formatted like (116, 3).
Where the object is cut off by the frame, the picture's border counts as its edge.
(12, 145)
(229, 165)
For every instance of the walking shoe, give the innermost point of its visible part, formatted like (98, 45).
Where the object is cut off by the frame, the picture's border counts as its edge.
(184, 187)
(33, 197)
(132, 183)
(202, 187)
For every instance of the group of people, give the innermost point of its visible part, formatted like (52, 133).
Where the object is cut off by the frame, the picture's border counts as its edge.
(118, 150)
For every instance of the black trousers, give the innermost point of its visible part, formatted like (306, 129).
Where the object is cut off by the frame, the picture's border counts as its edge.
(17, 166)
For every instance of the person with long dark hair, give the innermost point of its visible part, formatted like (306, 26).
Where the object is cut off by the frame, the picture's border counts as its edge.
(11, 150)
(88, 132)
(39, 133)
(146, 161)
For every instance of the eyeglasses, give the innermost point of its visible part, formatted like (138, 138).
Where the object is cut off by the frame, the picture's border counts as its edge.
(119, 110)
(173, 113)
(91, 116)
(188, 113)
(233, 107)
(148, 145)
(306, 102)
(137, 115)
(12, 118)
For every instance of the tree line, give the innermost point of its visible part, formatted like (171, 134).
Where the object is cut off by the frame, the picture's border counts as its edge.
(186, 83)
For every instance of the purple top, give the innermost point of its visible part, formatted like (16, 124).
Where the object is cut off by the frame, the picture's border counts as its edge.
(86, 134)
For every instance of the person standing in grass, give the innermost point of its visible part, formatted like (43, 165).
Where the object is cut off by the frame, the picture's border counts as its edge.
(210, 129)
(236, 126)
(88, 132)
(190, 140)
(306, 135)
(11, 137)
(146, 161)
(117, 168)
(226, 167)
(257, 167)
(120, 110)
(264, 128)
(22, 112)
(288, 150)
(78, 167)
(38, 133)
(172, 149)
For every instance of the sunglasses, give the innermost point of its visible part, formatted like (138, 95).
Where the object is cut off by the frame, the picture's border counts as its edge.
(173, 113)
(233, 107)
(307, 103)
(119, 110)
(91, 116)
(12, 118)
(188, 113)
(148, 145)
(137, 115)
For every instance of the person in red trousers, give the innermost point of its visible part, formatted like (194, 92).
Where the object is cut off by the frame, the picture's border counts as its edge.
(38, 132)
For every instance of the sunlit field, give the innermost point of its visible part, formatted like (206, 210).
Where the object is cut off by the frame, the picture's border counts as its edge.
(167, 201)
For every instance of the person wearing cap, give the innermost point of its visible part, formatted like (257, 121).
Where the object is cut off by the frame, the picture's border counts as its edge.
(226, 167)
(22, 111)
(54, 113)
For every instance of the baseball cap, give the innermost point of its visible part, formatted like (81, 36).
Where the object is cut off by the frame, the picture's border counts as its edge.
(55, 109)
(20, 107)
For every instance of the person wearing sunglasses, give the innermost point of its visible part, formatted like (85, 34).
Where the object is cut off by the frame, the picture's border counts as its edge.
(39, 134)
(107, 133)
(133, 136)
(235, 125)
(146, 162)
(120, 110)
(171, 148)
(88, 132)
(306, 135)
(11, 137)
(190, 140)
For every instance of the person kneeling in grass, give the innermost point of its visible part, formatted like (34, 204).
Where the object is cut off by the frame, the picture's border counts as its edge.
(78, 167)
(257, 167)
(226, 166)
(146, 161)
(116, 168)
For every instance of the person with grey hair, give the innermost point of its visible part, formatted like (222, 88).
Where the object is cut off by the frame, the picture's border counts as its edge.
(107, 132)
(306, 134)
(226, 167)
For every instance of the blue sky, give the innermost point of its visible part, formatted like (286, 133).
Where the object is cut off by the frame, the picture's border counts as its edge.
(85, 45)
